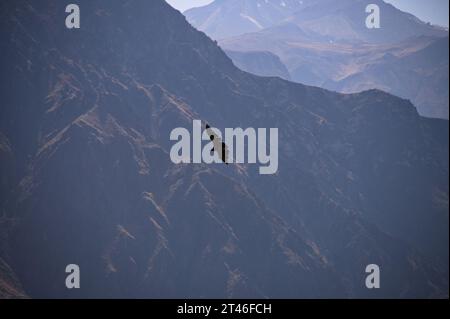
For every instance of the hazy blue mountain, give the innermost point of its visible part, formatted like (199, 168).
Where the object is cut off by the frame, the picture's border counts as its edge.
(416, 69)
(262, 63)
(421, 76)
(345, 20)
(326, 43)
(352, 64)
(85, 121)
(338, 20)
(225, 18)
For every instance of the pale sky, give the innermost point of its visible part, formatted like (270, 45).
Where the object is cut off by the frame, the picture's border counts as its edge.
(183, 5)
(434, 11)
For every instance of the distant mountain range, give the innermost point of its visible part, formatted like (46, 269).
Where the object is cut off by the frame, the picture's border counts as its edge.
(326, 43)
(338, 20)
(227, 18)
(86, 176)
(261, 63)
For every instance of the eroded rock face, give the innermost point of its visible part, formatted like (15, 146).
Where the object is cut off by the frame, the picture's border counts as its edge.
(88, 114)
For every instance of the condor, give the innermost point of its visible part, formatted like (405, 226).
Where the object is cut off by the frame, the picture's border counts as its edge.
(233, 150)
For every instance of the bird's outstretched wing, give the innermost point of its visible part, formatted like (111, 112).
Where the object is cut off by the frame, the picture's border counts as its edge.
(219, 146)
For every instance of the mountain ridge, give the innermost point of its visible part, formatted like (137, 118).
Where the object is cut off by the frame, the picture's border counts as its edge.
(251, 16)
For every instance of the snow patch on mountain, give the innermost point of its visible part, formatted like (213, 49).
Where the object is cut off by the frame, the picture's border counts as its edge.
(252, 20)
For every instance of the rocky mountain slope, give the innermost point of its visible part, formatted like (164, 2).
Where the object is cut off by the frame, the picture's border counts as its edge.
(85, 121)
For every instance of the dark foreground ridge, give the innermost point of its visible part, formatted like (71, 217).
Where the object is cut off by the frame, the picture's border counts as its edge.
(86, 176)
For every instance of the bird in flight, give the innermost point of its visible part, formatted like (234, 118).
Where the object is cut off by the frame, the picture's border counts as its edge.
(219, 146)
